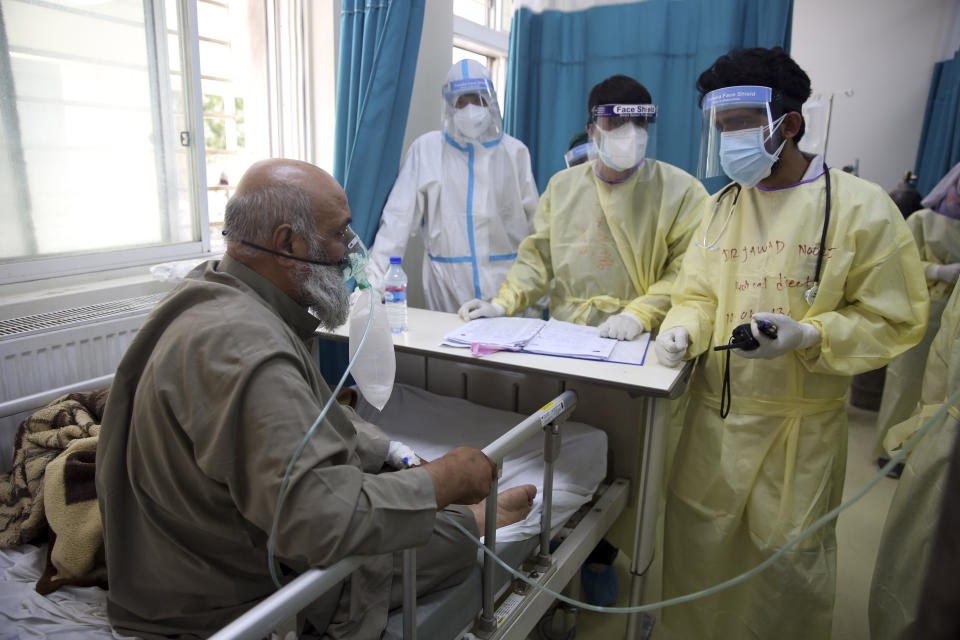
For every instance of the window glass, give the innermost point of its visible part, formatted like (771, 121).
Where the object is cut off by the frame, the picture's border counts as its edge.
(472, 10)
(233, 78)
(86, 161)
(495, 14)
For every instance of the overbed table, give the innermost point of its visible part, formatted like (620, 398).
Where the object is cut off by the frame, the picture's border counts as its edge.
(636, 439)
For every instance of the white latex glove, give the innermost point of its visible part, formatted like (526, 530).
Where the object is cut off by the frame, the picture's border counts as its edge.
(790, 335)
(671, 346)
(400, 456)
(477, 308)
(623, 326)
(946, 272)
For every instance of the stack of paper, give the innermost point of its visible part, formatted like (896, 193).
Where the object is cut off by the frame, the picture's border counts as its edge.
(555, 338)
(558, 338)
(500, 333)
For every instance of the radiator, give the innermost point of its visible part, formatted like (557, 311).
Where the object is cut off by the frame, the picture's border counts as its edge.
(48, 350)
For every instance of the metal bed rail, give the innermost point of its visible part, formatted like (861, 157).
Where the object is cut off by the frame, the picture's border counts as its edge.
(37, 400)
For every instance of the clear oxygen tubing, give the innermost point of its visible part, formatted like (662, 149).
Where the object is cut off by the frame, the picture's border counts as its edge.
(936, 419)
(271, 541)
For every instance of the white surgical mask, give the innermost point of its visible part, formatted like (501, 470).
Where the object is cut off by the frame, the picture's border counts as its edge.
(745, 158)
(622, 148)
(471, 121)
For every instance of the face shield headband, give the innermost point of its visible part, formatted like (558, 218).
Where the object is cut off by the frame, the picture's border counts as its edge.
(455, 88)
(646, 112)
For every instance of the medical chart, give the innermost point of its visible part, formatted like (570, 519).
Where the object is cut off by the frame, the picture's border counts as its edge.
(503, 333)
(553, 337)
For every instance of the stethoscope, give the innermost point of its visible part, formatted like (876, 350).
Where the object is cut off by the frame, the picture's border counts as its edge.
(810, 293)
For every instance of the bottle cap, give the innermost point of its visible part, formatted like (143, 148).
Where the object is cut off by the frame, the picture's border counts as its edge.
(395, 259)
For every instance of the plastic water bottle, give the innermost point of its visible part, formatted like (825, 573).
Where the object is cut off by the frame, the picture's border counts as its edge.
(395, 295)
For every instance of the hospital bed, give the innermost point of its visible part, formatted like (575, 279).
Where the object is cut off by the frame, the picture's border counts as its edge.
(630, 403)
(627, 402)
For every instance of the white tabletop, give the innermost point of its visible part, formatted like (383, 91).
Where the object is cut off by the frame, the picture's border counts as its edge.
(428, 328)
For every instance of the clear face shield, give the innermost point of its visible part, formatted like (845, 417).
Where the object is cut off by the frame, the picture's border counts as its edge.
(624, 134)
(580, 154)
(740, 134)
(470, 109)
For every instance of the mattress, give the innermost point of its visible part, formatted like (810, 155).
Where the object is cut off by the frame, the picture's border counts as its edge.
(432, 425)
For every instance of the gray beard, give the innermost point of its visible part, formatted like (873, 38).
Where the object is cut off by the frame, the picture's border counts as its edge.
(322, 291)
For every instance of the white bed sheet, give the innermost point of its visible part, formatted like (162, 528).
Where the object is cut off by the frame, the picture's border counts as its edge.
(69, 612)
(432, 425)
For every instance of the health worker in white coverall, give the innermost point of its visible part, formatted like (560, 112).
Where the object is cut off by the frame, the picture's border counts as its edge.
(469, 189)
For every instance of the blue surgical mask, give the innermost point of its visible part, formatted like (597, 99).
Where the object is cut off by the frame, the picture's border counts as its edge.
(745, 158)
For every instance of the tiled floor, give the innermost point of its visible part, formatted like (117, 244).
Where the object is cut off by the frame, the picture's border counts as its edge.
(858, 533)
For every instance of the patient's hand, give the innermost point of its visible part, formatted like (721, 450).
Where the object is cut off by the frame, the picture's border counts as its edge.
(462, 476)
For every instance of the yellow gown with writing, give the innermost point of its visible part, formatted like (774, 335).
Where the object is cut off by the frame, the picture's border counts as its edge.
(741, 488)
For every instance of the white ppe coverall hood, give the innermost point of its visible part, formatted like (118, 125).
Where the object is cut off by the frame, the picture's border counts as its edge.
(909, 530)
(938, 238)
(607, 248)
(741, 488)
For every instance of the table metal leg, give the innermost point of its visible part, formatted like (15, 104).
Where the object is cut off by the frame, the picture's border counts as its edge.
(655, 415)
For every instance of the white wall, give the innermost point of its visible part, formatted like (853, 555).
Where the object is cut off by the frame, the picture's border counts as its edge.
(426, 114)
(884, 50)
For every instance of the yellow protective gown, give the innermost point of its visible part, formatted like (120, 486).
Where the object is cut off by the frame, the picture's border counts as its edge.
(741, 488)
(607, 248)
(938, 238)
(911, 523)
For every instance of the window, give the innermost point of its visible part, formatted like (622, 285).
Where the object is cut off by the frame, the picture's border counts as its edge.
(92, 160)
(494, 14)
(124, 138)
(481, 32)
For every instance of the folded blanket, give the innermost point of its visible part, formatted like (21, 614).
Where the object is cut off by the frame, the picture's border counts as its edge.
(41, 438)
(76, 553)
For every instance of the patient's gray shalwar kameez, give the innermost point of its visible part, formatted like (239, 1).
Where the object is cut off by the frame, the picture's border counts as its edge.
(208, 405)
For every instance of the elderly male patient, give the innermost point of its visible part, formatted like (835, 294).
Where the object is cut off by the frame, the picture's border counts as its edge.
(208, 405)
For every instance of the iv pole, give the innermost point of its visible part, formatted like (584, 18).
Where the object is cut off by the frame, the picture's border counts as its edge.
(826, 136)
